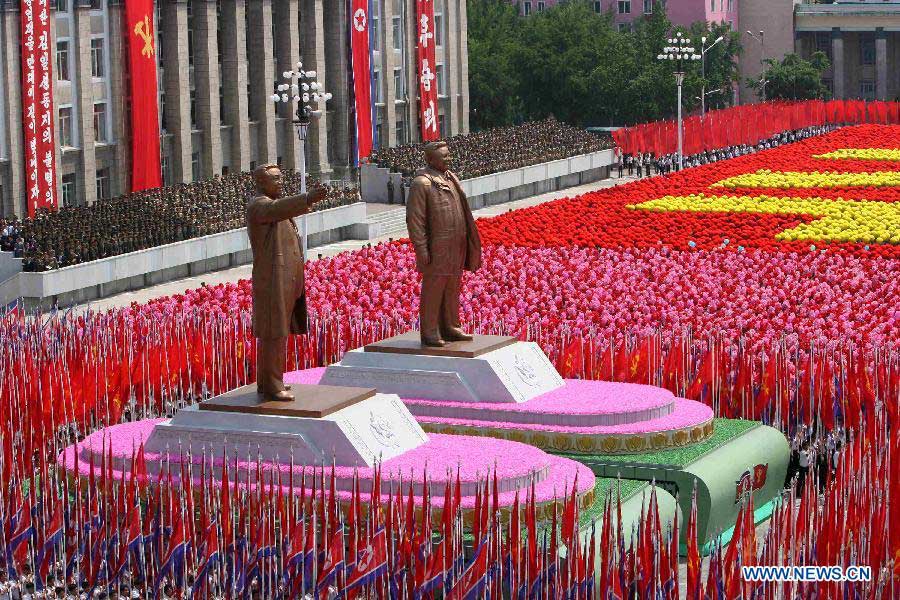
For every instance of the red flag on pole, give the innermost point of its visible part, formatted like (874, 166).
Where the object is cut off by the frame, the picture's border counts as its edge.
(144, 114)
(362, 82)
(427, 65)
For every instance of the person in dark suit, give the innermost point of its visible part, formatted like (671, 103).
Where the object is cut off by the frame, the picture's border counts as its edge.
(279, 292)
(446, 241)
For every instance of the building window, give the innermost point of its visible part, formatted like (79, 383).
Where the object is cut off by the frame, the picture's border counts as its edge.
(598, 7)
(624, 7)
(712, 5)
(866, 49)
(374, 31)
(193, 95)
(164, 168)
(65, 126)
(61, 5)
(98, 69)
(396, 32)
(730, 5)
(823, 43)
(441, 90)
(648, 7)
(526, 8)
(439, 28)
(195, 166)
(399, 87)
(102, 184)
(442, 125)
(100, 122)
(624, 27)
(376, 86)
(867, 89)
(541, 6)
(68, 189)
(400, 131)
(162, 110)
(62, 60)
(96, 4)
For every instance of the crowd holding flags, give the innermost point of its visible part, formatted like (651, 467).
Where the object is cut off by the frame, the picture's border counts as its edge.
(750, 124)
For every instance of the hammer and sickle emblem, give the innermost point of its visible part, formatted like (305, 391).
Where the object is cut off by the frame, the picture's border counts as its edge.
(142, 30)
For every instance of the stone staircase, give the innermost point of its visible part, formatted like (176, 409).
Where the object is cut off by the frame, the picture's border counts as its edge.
(390, 222)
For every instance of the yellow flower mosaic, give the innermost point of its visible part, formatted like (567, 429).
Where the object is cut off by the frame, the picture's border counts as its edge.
(841, 220)
(862, 154)
(796, 180)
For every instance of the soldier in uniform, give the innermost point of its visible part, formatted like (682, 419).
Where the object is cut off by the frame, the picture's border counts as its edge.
(279, 293)
(446, 241)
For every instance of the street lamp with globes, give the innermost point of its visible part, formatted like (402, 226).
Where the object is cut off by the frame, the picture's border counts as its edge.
(679, 51)
(301, 87)
(703, 50)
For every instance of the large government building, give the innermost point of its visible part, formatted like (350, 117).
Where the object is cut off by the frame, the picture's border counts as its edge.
(218, 65)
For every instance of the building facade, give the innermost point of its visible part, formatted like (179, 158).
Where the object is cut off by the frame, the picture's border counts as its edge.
(625, 12)
(862, 42)
(218, 64)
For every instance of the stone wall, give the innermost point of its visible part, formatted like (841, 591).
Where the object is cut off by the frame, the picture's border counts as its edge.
(135, 270)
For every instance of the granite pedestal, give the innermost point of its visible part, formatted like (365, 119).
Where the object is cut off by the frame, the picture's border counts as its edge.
(487, 369)
(351, 426)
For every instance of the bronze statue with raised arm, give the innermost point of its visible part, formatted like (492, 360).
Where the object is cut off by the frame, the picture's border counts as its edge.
(279, 292)
(446, 241)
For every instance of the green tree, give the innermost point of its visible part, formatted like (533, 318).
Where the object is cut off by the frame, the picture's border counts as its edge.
(493, 81)
(793, 78)
(570, 62)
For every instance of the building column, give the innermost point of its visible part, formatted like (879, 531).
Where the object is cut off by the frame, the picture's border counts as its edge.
(837, 61)
(451, 66)
(312, 36)
(881, 64)
(337, 65)
(286, 14)
(234, 81)
(463, 58)
(389, 137)
(120, 171)
(178, 88)
(11, 70)
(206, 83)
(262, 78)
(86, 176)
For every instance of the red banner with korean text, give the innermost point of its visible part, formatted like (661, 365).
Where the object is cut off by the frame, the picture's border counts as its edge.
(362, 76)
(428, 97)
(37, 106)
(144, 114)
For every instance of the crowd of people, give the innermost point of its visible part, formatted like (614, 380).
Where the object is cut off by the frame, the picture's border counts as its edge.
(55, 239)
(645, 164)
(499, 149)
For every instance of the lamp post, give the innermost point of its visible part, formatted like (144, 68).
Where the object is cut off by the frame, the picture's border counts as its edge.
(679, 51)
(703, 50)
(301, 87)
(761, 38)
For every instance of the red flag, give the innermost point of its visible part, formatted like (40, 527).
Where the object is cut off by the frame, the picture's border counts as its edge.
(362, 84)
(693, 554)
(144, 113)
(426, 67)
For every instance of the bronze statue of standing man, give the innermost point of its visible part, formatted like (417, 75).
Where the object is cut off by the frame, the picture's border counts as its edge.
(446, 241)
(279, 291)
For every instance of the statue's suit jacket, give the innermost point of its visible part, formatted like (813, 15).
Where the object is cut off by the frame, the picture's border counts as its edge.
(428, 219)
(279, 289)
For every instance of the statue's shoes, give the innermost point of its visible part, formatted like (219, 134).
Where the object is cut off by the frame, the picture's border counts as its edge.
(433, 342)
(456, 335)
(282, 396)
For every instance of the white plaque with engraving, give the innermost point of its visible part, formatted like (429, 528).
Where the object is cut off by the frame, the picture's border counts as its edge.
(514, 373)
(380, 427)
